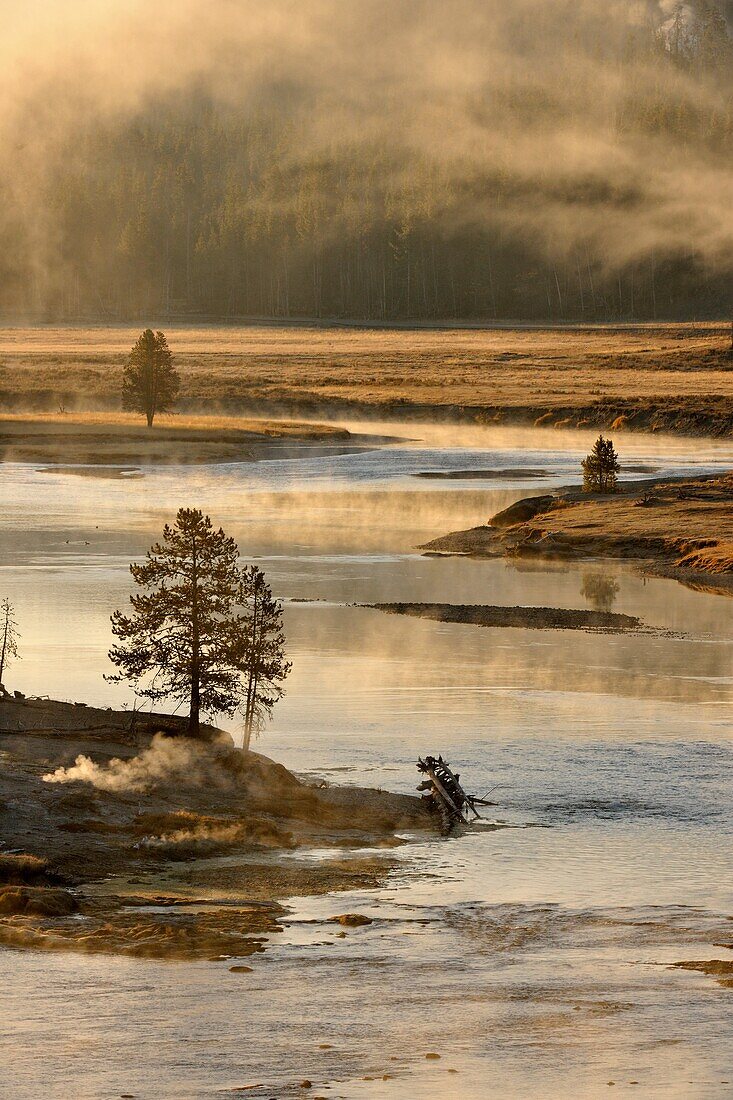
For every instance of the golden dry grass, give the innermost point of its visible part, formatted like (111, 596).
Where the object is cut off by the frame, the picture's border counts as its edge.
(164, 423)
(494, 367)
(21, 869)
(682, 529)
(717, 558)
(93, 438)
(680, 518)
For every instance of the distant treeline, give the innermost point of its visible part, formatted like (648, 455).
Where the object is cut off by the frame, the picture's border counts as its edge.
(195, 208)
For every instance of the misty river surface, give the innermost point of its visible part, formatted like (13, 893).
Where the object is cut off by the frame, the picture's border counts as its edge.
(535, 957)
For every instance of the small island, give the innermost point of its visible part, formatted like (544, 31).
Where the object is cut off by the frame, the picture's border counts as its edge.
(678, 527)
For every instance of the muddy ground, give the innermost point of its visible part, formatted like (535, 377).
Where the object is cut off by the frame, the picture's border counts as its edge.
(533, 618)
(507, 474)
(120, 834)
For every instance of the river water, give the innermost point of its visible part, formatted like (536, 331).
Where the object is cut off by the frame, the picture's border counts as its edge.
(534, 957)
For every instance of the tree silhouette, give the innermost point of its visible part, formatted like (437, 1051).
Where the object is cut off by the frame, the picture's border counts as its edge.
(201, 631)
(150, 383)
(600, 467)
(9, 636)
(262, 652)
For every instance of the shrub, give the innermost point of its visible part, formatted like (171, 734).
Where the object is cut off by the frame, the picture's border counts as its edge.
(22, 869)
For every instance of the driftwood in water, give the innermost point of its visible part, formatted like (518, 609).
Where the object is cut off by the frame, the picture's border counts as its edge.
(445, 794)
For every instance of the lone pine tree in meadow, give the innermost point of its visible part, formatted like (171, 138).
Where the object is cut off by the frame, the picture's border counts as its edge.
(601, 467)
(150, 382)
(203, 630)
(9, 638)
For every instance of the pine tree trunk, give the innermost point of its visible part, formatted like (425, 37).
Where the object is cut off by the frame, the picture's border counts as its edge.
(4, 646)
(193, 714)
(249, 709)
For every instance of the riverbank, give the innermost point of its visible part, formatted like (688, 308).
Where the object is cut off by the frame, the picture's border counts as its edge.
(657, 377)
(681, 528)
(87, 440)
(120, 834)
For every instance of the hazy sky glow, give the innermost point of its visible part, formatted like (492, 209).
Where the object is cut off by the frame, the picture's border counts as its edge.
(534, 91)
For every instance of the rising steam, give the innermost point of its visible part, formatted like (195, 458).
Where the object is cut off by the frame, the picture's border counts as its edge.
(166, 760)
(533, 93)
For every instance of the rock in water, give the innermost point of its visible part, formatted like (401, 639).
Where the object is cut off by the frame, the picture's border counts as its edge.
(36, 901)
(351, 920)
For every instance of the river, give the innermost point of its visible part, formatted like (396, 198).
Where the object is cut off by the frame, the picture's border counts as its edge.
(533, 957)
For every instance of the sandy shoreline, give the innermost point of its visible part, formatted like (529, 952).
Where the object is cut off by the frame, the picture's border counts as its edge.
(117, 440)
(125, 857)
(679, 528)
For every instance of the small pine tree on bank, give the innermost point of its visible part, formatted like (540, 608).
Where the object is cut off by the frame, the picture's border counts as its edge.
(150, 382)
(9, 638)
(202, 630)
(601, 467)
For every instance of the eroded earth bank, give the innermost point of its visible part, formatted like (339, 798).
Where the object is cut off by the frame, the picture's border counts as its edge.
(120, 834)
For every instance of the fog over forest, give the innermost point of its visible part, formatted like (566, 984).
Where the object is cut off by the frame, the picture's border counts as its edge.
(381, 160)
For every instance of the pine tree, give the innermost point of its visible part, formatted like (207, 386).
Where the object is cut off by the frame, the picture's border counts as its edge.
(262, 652)
(9, 637)
(190, 636)
(601, 467)
(150, 383)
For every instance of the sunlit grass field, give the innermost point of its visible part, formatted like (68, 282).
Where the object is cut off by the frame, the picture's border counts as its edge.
(177, 422)
(231, 368)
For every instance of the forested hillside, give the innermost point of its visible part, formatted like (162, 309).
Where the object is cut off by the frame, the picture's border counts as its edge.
(598, 187)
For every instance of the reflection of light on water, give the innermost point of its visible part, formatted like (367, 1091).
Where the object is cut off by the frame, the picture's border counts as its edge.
(619, 747)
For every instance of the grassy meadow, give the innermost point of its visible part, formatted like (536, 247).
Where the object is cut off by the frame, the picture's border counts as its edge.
(669, 376)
